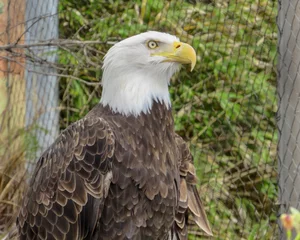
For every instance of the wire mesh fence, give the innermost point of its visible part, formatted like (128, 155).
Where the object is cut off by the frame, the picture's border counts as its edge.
(50, 67)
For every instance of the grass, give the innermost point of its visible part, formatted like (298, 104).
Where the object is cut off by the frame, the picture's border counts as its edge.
(12, 175)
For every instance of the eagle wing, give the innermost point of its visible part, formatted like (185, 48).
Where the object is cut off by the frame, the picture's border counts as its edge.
(69, 184)
(189, 201)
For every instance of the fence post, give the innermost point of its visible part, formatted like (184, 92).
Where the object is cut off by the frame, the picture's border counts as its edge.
(41, 82)
(288, 105)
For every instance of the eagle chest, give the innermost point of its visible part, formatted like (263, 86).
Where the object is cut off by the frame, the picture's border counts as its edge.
(145, 151)
(143, 192)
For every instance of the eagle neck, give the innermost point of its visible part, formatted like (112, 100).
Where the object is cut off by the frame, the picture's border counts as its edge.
(134, 93)
(159, 115)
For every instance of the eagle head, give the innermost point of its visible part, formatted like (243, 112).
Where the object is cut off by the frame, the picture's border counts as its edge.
(137, 71)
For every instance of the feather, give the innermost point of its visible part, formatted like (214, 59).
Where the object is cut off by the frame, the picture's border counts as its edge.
(71, 180)
(189, 201)
(198, 213)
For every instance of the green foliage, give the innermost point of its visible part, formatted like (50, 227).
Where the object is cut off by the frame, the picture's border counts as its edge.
(1, 7)
(225, 108)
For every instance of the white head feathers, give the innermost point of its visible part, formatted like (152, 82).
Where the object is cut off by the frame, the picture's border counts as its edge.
(133, 78)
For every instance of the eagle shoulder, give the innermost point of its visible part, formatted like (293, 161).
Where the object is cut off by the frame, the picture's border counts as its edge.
(71, 181)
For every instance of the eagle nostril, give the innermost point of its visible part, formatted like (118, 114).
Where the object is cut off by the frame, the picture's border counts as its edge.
(178, 46)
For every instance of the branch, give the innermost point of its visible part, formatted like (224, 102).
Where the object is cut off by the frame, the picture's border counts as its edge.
(53, 74)
(52, 43)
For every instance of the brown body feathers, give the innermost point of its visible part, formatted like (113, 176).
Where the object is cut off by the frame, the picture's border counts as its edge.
(113, 177)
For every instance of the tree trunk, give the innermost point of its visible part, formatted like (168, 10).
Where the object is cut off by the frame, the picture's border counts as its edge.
(12, 84)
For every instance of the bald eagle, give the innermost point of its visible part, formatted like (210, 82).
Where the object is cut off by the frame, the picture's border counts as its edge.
(121, 172)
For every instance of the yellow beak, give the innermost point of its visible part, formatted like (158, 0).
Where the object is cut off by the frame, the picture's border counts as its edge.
(182, 53)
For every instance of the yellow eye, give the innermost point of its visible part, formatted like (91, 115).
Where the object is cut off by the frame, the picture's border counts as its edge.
(152, 44)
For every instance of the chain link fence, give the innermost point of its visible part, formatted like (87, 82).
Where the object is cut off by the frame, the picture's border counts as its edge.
(50, 67)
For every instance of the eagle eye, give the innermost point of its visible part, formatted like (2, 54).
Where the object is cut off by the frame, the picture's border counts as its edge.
(152, 44)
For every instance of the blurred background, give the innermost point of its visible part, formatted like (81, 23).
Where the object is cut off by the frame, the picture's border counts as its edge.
(236, 109)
